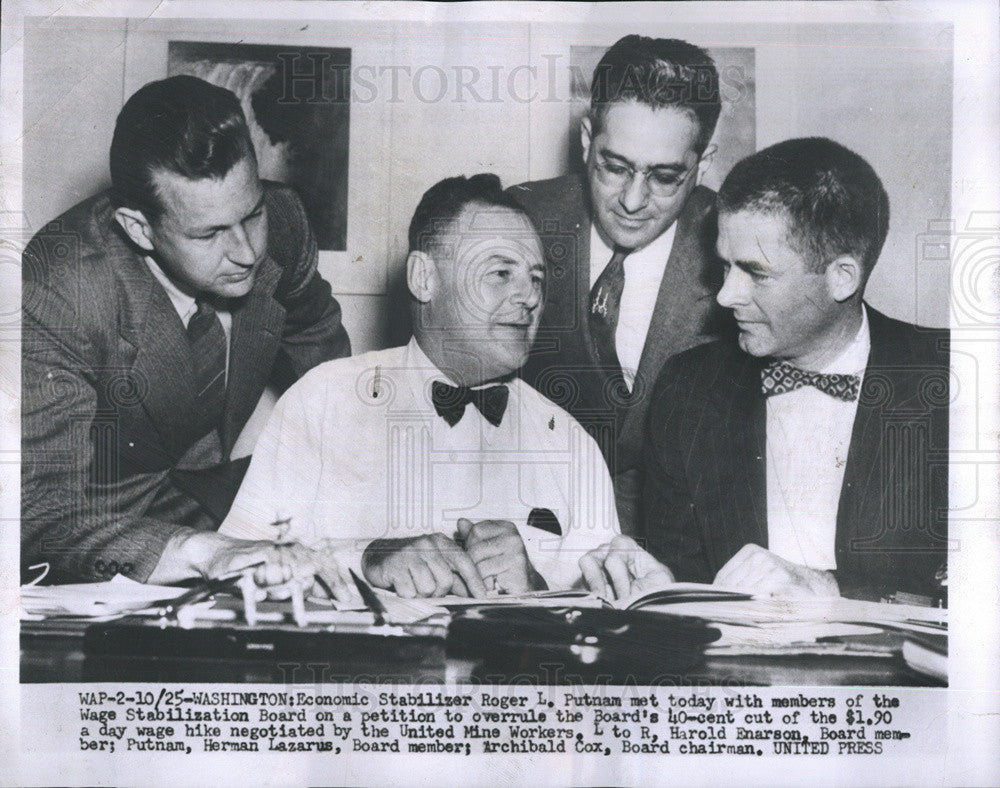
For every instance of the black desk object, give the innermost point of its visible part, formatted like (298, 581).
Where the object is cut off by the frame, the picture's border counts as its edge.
(138, 648)
(485, 647)
(584, 645)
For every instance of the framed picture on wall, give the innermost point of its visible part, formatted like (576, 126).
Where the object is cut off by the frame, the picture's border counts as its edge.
(297, 103)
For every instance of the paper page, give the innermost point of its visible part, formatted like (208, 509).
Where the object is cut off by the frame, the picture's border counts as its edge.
(113, 597)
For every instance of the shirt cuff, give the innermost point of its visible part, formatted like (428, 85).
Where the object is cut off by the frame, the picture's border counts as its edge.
(547, 554)
(145, 559)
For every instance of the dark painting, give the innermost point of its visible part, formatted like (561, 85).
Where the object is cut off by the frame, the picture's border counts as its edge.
(297, 103)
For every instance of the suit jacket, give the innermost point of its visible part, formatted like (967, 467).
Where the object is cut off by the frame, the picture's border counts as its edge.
(563, 364)
(108, 431)
(705, 491)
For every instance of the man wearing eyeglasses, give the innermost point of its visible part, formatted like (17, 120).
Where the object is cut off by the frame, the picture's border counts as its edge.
(628, 246)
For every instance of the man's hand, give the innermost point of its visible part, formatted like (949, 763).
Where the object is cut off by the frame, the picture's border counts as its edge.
(427, 566)
(620, 568)
(758, 571)
(282, 566)
(498, 552)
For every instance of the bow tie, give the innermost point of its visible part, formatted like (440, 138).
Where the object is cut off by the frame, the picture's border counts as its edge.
(450, 402)
(780, 377)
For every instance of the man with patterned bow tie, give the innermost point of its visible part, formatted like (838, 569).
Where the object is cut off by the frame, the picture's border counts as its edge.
(812, 458)
(430, 468)
(628, 245)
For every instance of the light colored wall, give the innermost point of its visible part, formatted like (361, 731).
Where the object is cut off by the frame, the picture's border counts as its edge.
(887, 95)
(882, 90)
(73, 76)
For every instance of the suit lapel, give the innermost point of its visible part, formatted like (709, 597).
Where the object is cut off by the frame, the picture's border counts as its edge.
(679, 289)
(257, 324)
(582, 295)
(860, 504)
(573, 306)
(162, 368)
(744, 459)
(567, 275)
(726, 468)
(670, 326)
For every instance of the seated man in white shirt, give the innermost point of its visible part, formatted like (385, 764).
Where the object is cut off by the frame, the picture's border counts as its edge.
(812, 458)
(429, 468)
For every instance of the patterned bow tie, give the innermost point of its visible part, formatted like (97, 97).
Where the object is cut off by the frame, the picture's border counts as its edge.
(780, 377)
(450, 402)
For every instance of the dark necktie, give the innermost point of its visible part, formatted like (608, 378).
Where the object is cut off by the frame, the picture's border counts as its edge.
(450, 402)
(208, 354)
(780, 377)
(605, 302)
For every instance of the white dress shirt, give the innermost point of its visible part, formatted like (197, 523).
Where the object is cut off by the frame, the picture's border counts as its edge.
(643, 274)
(355, 451)
(808, 437)
(186, 305)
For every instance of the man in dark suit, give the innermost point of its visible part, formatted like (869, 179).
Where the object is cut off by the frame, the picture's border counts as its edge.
(628, 245)
(812, 457)
(154, 315)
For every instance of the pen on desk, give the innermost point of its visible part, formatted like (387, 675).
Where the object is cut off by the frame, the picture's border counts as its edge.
(204, 590)
(249, 590)
(370, 599)
(298, 605)
(325, 586)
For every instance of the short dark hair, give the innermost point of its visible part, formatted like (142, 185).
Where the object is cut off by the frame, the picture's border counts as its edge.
(833, 200)
(444, 202)
(182, 125)
(661, 73)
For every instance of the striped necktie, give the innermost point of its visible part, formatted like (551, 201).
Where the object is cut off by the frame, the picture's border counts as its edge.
(208, 355)
(605, 302)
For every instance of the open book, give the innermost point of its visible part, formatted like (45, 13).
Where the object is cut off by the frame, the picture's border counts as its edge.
(669, 594)
(744, 619)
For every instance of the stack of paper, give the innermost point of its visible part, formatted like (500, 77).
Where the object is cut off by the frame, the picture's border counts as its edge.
(771, 611)
(763, 625)
(927, 654)
(110, 599)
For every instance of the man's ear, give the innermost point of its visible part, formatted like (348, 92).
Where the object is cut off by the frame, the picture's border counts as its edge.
(421, 276)
(136, 227)
(706, 161)
(844, 277)
(586, 132)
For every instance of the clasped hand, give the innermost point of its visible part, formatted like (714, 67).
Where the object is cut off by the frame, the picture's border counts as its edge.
(487, 556)
(279, 569)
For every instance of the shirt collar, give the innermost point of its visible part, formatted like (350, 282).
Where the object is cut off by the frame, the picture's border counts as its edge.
(422, 366)
(651, 257)
(854, 358)
(183, 303)
(427, 371)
